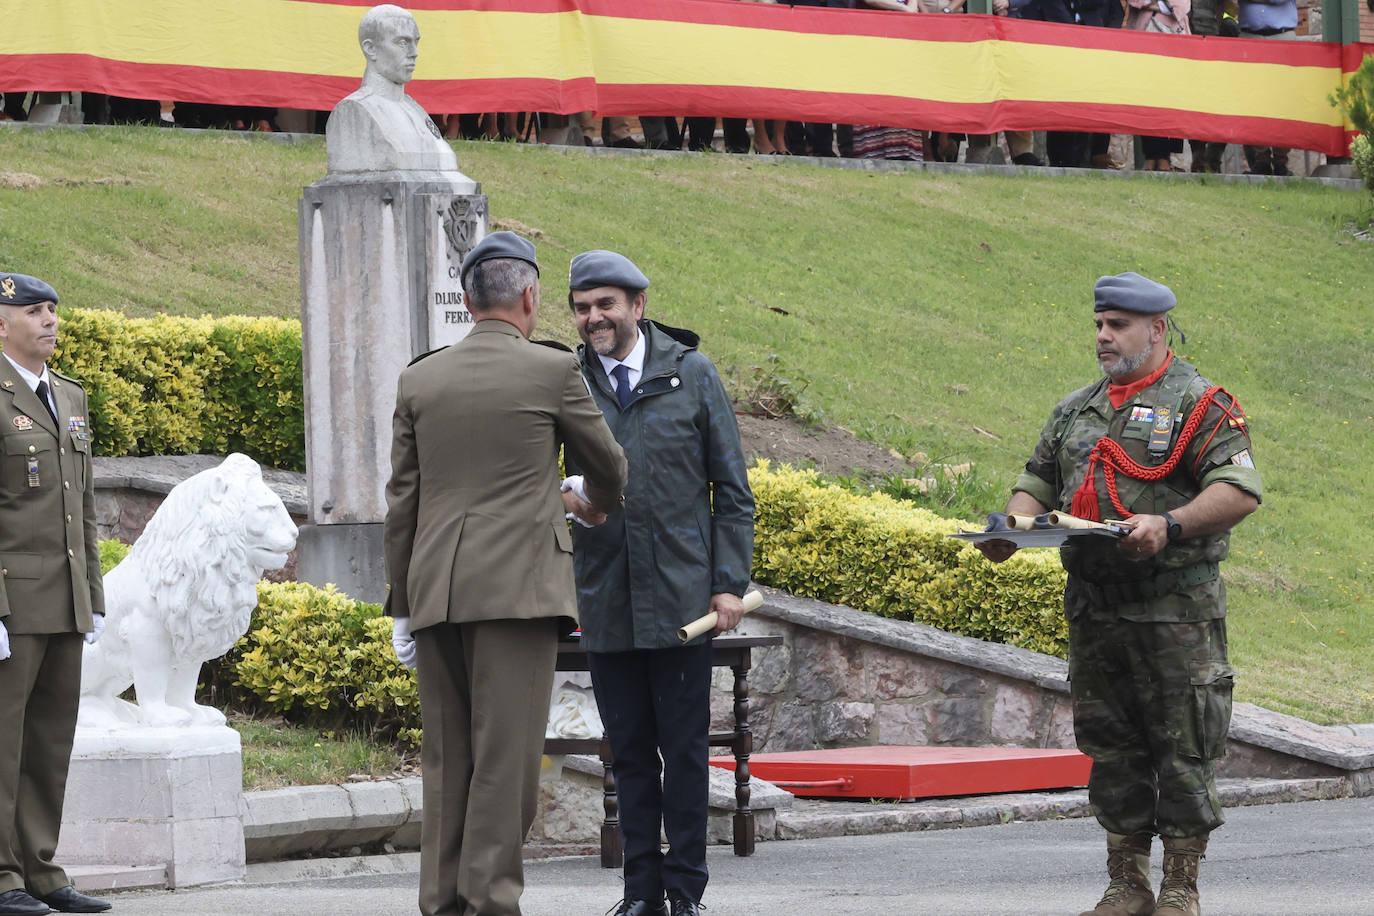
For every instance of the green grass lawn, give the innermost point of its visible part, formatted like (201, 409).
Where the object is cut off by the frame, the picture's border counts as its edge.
(936, 313)
(276, 754)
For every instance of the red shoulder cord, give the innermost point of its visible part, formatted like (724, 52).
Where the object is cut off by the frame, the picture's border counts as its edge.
(1113, 457)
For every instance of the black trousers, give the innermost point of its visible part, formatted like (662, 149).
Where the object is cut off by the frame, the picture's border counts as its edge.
(658, 702)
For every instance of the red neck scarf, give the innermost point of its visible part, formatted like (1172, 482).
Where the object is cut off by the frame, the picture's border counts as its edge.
(1120, 394)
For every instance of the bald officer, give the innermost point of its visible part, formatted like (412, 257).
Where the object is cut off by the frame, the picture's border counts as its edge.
(1153, 443)
(52, 593)
(479, 558)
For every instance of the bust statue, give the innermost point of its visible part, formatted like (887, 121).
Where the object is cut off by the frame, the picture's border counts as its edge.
(379, 128)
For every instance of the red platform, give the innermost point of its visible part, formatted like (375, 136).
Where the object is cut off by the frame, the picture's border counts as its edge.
(917, 772)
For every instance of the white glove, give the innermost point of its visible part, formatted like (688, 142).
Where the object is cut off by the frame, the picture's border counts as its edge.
(97, 628)
(4, 642)
(402, 642)
(574, 483)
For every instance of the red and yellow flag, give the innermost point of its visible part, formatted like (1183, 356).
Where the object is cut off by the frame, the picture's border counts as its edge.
(697, 57)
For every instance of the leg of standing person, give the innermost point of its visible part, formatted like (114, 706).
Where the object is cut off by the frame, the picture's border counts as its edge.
(40, 685)
(701, 134)
(736, 131)
(655, 131)
(822, 138)
(1021, 145)
(622, 682)
(682, 707)
(483, 739)
(615, 132)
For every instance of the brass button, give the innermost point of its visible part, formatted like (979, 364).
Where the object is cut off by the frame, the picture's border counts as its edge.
(4, 572)
(32, 449)
(69, 520)
(66, 485)
(69, 552)
(61, 451)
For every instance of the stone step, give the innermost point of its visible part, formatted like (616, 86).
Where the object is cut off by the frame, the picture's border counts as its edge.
(816, 818)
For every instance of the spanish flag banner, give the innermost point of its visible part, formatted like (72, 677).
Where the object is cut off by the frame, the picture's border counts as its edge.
(697, 57)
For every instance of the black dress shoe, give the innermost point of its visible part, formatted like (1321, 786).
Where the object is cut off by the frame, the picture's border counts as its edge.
(19, 903)
(684, 906)
(628, 907)
(70, 900)
(1027, 159)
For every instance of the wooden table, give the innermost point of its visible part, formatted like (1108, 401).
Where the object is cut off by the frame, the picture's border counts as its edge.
(733, 652)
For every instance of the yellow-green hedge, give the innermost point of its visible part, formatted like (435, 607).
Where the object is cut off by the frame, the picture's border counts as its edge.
(883, 555)
(172, 386)
(318, 657)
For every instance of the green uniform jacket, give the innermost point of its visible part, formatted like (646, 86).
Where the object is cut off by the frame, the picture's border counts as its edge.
(1216, 454)
(474, 526)
(49, 551)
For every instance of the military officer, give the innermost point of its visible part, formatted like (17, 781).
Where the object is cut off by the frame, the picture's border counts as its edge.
(50, 594)
(480, 563)
(1156, 445)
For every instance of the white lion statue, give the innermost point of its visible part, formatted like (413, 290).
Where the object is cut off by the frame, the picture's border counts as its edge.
(184, 595)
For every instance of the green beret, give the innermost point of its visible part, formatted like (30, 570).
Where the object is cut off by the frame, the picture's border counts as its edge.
(499, 245)
(1131, 292)
(592, 269)
(21, 289)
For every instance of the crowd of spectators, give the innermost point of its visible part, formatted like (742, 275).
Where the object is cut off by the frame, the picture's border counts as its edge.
(1269, 19)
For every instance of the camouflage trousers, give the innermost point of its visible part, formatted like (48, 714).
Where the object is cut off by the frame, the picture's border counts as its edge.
(1151, 707)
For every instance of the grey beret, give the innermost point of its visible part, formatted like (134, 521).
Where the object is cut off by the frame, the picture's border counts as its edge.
(21, 289)
(1131, 292)
(591, 269)
(499, 245)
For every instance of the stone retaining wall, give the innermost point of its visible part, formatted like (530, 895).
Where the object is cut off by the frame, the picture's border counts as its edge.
(847, 678)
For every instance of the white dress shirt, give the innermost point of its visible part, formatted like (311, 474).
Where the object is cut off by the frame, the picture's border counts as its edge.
(634, 361)
(32, 380)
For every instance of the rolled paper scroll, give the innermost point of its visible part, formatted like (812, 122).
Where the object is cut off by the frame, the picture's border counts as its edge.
(1064, 520)
(1021, 522)
(752, 602)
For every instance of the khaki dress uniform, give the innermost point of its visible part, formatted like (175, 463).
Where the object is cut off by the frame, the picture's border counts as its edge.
(51, 585)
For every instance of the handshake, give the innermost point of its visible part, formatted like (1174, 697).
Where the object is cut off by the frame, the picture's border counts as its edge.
(577, 506)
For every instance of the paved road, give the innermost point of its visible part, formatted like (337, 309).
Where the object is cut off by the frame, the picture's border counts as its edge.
(1305, 859)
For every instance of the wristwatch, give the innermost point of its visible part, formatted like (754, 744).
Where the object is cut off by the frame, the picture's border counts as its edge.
(1175, 530)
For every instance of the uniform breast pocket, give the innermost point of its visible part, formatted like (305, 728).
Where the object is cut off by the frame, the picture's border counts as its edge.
(30, 463)
(81, 451)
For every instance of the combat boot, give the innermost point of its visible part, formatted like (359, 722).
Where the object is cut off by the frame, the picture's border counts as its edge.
(1178, 892)
(1128, 864)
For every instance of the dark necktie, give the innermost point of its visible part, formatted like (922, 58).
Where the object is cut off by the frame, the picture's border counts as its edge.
(622, 384)
(42, 392)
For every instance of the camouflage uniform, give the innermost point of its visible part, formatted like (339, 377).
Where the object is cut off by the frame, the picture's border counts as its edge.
(1149, 675)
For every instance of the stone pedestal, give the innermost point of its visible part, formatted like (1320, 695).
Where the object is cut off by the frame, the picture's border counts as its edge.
(161, 797)
(348, 556)
(380, 255)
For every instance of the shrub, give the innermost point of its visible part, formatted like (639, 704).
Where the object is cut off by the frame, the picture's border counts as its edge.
(319, 658)
(168, 385)
(1356, 102)
(884, 555)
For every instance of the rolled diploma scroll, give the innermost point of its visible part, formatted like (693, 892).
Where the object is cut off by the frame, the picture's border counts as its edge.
(752, 602)
(1064, 520)
(1021, 522)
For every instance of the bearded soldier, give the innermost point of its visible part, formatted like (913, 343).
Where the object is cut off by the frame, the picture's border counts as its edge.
(1159, 447)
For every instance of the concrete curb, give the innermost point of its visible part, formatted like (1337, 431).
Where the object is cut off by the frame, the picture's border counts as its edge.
(806, 819)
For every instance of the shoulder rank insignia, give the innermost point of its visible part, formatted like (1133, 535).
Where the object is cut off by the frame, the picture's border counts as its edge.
(557, 345)
(425, 354)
